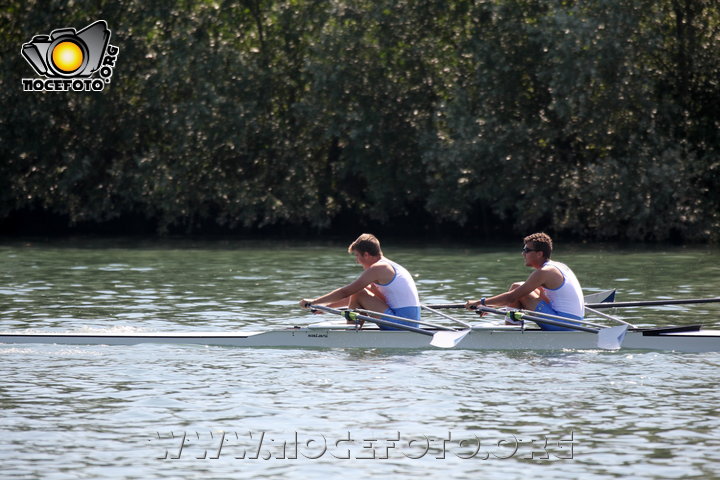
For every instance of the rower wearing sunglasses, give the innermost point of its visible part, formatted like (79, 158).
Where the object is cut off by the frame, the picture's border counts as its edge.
(551, 289)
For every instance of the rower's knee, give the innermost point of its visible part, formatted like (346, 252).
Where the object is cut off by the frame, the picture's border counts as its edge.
(369, 301)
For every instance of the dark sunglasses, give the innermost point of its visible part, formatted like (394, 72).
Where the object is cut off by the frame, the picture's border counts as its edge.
(526, 250)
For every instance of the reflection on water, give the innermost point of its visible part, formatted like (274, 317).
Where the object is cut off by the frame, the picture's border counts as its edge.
(124, 412)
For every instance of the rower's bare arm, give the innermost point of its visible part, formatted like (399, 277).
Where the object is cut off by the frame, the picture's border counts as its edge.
(536, 280)
(511, 297)
(334, 296)
(366, 278)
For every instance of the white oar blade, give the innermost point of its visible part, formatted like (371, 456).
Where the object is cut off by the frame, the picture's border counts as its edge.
(611, 338)
(448, 338)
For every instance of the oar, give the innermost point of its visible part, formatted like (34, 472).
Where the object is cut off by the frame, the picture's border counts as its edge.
(559, 318)
(516, 315)
(456, 320)
(447, 340)
(402, 319)
(441, 338)
(609, 317)
(590, 299)
(609, 338)
(650, 303)
(444, 306)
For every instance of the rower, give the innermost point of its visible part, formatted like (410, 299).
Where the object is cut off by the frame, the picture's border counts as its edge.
(384, 286)
(551, 289)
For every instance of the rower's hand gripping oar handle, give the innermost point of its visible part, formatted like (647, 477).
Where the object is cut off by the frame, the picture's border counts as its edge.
(311, 307)
(478, 309)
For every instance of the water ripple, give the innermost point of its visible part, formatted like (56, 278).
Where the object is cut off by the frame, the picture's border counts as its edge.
(106, 412)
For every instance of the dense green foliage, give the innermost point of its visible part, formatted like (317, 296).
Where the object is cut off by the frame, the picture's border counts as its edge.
(593, 118)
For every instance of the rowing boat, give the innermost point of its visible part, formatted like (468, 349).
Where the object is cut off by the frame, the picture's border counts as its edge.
(476, 336)
(338, 334)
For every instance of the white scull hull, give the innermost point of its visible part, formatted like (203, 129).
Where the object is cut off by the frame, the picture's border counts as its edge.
(334, 335)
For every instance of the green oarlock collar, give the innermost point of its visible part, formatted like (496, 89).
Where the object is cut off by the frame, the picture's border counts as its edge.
(351, 316)
(517, 316)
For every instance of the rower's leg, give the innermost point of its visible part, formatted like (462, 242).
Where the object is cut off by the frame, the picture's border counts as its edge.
(367, 300)
(529, 301)
(519, 302)
(340, 303)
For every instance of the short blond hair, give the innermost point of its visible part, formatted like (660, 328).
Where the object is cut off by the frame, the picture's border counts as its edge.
(366, 243)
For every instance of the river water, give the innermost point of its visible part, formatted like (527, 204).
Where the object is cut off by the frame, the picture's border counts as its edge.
(175, 411)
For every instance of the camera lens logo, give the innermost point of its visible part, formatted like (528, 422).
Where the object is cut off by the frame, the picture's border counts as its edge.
(68, 57)
(71, 60)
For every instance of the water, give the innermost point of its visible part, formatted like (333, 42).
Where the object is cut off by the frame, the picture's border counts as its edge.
(123, 412)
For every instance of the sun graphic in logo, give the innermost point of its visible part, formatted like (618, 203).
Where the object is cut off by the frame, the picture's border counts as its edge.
(67, 56)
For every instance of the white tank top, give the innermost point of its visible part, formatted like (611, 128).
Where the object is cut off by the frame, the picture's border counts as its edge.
(400, 291)
(568, 297)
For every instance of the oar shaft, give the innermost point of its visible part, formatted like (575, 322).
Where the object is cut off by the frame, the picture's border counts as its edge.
(385, 323)
(649, 303)
(537, 319)
(429, 309)
(609, 317)
(402, 319)
(442, 306)
(559, 318)
(534, 318)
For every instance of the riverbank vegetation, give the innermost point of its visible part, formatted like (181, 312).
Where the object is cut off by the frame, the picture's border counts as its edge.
(592, 119)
